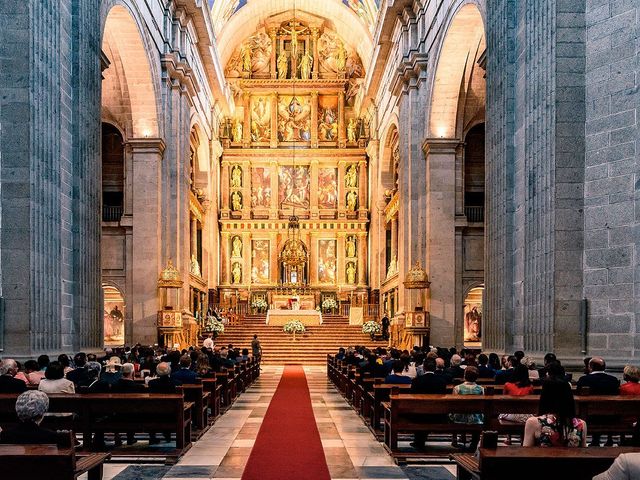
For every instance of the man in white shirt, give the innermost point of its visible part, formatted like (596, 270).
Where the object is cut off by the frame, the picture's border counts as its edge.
(208, 342)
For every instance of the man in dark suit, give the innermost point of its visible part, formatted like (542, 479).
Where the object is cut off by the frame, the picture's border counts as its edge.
(429, 383)
(9, 384)
(80, 375)
(126, 384)
(385, 327)
(163, 384)
(599, 383)
(455, 370)
(504, 376)
(185, 374)
(30, 408)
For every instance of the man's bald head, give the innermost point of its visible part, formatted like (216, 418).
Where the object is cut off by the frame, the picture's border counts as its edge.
(596, 364)
(439, 363)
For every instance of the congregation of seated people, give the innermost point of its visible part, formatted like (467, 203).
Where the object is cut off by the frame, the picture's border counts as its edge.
(431, 370)
(126, 370)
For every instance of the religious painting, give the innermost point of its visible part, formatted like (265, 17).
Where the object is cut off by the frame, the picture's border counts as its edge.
(260, 261)
(294, 119)
(113, 314)
(327, 118)
(327, 188)
(473, 316)
(327, 261)
(293, 186)
(260, 187)
(260, 119)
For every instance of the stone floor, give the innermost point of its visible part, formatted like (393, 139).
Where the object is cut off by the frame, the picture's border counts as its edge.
(352, 452)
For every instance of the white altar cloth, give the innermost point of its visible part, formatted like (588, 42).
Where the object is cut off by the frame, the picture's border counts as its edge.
(307, 317)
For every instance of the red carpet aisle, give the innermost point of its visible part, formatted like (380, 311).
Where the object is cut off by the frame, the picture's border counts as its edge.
(288, 444)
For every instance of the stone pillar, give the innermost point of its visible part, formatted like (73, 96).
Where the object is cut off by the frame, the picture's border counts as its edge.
(314, 119)
(274, 120)
(272, 68)
(246, 258)
(342, 128)
(246, 191)
(363, 185)
(362, 259)
(147, 262)
(313, 197)
(441, 248)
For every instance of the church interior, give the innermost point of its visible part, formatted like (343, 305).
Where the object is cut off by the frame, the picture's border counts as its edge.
(288, 200)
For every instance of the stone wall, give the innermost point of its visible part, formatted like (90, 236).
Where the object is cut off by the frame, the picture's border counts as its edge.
(612, 213)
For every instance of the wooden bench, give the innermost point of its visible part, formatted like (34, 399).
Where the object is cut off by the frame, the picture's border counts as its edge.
(196, 394)
(48, 462)
(533, 463)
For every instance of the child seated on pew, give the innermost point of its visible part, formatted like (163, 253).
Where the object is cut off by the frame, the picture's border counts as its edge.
(469, 387)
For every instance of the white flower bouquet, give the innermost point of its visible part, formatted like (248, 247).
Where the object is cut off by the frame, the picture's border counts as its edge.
(294, 326)
(329, 303)
(371, 327)
(213, 325)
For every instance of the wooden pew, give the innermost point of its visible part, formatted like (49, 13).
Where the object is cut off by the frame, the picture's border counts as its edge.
(533, 463)
(49, 462)
(212, 386)
(196, 394)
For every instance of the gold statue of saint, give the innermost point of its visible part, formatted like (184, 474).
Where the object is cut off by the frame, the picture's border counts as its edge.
(236, 273)
(236, 247)
(237, 131)
(195, 266)
(341, 57)
(351, 273)
(283, 65)
(294, 36)
(351, 247)
(236, 201)
(236, 176)
(352, 200)
(306, 64)
(351, 177)
(351, 131)
(245, 53)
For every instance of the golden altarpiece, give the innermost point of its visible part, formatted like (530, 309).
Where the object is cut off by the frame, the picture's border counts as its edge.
(294, 147)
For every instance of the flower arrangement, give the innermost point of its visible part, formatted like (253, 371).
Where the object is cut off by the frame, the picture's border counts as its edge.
(329, 303)
(259, 304)
(213, 325)
(371, 327)
(294, 326)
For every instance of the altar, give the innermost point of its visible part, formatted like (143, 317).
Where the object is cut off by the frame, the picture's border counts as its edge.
(305, 302)
(307, 317)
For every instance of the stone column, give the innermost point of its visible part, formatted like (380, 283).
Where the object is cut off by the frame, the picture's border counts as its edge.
(273, 69)
(147, 261)
(363, 185)
(313, 197)
(362, 259)
(314, 119)
(246, 258)
(440, 162)
(225, 267)
(274, 120)
(246, 191)
(342, 128)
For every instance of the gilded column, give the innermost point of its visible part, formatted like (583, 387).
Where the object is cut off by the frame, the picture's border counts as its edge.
(246, 258)
(340, 256)
(272, 68)
(224, 187)
(274, 120)
(314, 36)
(246, 129)
(342, 133)
(273, 257)
(314, 189)
(363, 185)
(224, 258)
(314, 119)
(313, 260)
(273, 175)
(341, 189)
(362, 259)
(246, 191)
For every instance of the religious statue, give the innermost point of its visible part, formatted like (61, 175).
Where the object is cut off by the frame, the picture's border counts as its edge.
(392, 268)
(195, 266)
(351, 273)
(351, 131)
(236, 176)
(236, 201)
(294, 36)
(236, 247)
(306, 64)
(472, 322)
(245, 54)
(236, 273)
(341, 57)
(351, 177)
(283, 65)
(351, 247)
(237, 131)
(352, 200)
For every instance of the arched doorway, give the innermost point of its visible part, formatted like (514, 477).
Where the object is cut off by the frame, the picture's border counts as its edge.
(114, 314)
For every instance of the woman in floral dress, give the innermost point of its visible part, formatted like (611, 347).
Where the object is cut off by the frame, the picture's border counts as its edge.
(556, 425)
(469, 387)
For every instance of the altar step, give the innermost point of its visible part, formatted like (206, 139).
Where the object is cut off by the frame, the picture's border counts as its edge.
(310, 348)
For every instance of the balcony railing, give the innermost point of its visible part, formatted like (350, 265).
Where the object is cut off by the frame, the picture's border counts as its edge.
(474, 214)
(111, 213)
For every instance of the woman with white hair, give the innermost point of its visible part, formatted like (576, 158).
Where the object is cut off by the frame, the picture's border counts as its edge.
(30, 408)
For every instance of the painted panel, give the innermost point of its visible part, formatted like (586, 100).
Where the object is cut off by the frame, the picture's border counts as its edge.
(327, 188)
(260, 261)
(327, 261)
(293, 186)
(260, 187)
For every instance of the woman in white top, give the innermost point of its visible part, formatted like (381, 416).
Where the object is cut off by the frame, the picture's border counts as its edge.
(54, 381)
